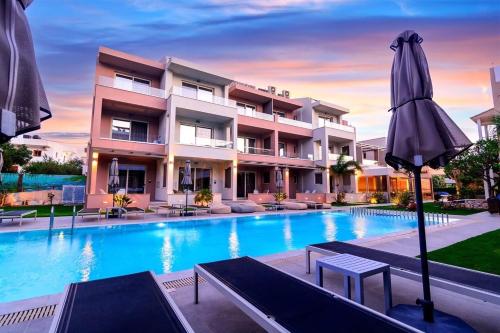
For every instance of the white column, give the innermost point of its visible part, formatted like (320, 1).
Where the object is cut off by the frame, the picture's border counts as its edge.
(479, 129)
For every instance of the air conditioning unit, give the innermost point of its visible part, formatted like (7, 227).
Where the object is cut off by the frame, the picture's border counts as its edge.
(286, 93)
(271, 89)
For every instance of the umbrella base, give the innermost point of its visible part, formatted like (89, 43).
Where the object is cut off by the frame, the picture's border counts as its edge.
(412, 315)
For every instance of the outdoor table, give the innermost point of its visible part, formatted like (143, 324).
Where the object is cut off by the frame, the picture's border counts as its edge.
(357, 268)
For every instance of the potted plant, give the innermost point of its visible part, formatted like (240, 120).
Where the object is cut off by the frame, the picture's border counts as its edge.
(204, 197)
(279, 197)
(122, 200)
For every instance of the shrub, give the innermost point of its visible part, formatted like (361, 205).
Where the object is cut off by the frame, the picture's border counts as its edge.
(412, 206)
(204, 197)
(403, 199)
(377, 197)
(50, 166)
(280, 196)
(340, 197)
(122, 200)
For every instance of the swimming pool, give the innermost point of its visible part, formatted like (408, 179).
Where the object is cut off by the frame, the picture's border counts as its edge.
(34, 264)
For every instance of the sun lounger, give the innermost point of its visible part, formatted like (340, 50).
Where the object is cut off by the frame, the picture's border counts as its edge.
(294, 205)
(89, 212)
(468, 282)
(129, 303)
(133, 210)
(220, 209)
(16, 214)
(200, 209)
(241, 208)
(280, 302)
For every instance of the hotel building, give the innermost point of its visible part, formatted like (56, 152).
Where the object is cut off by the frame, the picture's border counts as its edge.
(155, 115)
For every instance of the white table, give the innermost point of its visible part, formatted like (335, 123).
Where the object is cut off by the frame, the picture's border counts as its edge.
(357, 268)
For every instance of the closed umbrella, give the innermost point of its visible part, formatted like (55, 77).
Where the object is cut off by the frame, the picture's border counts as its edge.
(114, 178)
(279, 181)
(420, 133)
(1, 166)
(187, 182)
(23, 102)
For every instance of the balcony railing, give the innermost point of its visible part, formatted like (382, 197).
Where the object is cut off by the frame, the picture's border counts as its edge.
(204, 142)
(190, 93)
(255, 114)
(296, 156)
(293, 122)
(370, 162)
(256, 151)
(335, 157)
(341, 127)
(131, 86)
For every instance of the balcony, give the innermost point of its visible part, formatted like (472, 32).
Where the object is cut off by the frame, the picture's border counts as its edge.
(341, 127)
(204, 142)
(137, 148)
(207, 149)
(256, 151)
(209, 98)
(296, 123)
(335, 157)
(370, 163)
(135, 87)
(257, 115)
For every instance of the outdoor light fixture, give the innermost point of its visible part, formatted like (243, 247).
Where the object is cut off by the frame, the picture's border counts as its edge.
(95, 155)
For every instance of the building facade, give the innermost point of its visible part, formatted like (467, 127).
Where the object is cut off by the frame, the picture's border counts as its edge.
(155, 115)
(41, 148)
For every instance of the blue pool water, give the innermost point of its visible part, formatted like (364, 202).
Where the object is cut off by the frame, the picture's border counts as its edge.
(34, 264)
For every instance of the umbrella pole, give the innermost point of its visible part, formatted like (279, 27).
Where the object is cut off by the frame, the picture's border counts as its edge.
(426, 303)
(186, 206)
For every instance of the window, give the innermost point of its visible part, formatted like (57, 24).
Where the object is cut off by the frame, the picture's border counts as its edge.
(198, 92)
(129, 130)
(128, 82)
(165, 171)
(246, 145)
(245, 109)
(200, 178)
(345, 150)
(324, 120)
(279, 113)
(281, 149)
(266, 177)
(318, 178)
(295, 179)
(36, 153)
(132, 178)
(227, 178)
(195, 135)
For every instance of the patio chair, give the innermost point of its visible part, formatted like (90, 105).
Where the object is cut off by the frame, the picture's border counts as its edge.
(280, 302)
(465, 281)
(84, 212)
(200, 209)
(130, 303)
(133, 210)
(16, 214)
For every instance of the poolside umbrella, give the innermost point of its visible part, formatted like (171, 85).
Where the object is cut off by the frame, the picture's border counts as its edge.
(420, 133)
(187, 181)
(279, 180)
(1, 166)
(114, 178)
(23, 103)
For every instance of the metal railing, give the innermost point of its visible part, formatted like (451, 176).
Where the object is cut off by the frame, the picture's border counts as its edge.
(129, 85)
(341, 127)
(296, 156)
(430, 218)
(294, 122)
(190, 93)
(204, 142)
(256, 151)
(255, 114)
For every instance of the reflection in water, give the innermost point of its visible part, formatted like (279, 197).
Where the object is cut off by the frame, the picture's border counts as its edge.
(287, 233)
(330, 228)
(87, 260)
(167, 253)
(234, 244)
(360, 227)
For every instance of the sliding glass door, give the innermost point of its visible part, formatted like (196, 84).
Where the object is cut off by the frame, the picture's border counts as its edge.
(246, 183)
(132, 178)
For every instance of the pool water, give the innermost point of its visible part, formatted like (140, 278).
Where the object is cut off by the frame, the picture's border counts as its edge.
(32, 263)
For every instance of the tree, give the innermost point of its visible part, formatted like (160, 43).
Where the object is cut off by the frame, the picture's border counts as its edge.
(52, 167)
(438, 181)
(13, 155)
(344, 168)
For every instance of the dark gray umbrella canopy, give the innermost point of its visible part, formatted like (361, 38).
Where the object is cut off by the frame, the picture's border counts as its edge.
(418, 127)
(279, 179)
(23, 101)
(186, 179)
(114, 175)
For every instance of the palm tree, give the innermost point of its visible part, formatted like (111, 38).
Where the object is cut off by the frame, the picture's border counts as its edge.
(343, 168)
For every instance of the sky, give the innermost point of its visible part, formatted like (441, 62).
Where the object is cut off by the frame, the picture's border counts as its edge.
(336, 50)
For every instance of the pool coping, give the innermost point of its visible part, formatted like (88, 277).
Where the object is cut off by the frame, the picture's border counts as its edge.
(51, 299)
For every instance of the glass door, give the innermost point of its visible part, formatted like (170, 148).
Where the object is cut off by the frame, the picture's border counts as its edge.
(246, 183)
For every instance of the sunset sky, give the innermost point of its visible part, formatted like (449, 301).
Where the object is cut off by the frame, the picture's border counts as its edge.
(335, 50)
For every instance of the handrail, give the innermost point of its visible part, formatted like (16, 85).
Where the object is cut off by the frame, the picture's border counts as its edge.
(335, 157)
(430, 218)
(204, 142)
(190, 93)
(341, 127)
(294, 122)
(255, 114)
(256, 151)
(131, 86)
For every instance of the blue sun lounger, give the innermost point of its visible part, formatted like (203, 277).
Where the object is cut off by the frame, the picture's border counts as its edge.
(279, 302)
(129, 303)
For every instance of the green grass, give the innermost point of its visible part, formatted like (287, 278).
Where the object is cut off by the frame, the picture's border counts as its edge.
(44, 211)
(431, 207)
(481, 253)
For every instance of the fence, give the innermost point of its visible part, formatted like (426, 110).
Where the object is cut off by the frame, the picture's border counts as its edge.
(430, 218)
(39, 182)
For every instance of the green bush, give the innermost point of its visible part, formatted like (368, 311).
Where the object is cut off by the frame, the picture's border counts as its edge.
(50, 166)
(340, 197)
(204, 197)
(280, 196)
(378, 197)
(403, 199)
(122, 200)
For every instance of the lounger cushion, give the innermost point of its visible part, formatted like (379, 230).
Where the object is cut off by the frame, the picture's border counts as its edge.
(130, 303)
(242, 208)
(294, 304)
(220, 209)
(295, 205)
(484, 281)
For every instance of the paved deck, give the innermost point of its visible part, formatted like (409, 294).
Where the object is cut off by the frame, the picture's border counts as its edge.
(217, 314)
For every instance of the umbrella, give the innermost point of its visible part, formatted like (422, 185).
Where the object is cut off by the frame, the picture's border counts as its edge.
(279, 181)
(23, 102)
(420, 133)
(187, 181)
(114, 178)
(1, 166)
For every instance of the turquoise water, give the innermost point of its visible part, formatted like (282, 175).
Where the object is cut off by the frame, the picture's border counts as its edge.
(34, 264)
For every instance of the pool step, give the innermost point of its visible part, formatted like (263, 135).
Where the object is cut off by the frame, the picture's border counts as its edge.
(27, 315)
(180, 283)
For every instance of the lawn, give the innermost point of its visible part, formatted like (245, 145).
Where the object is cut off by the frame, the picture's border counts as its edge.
(431, 207)
(481, 253)
(44, 211)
